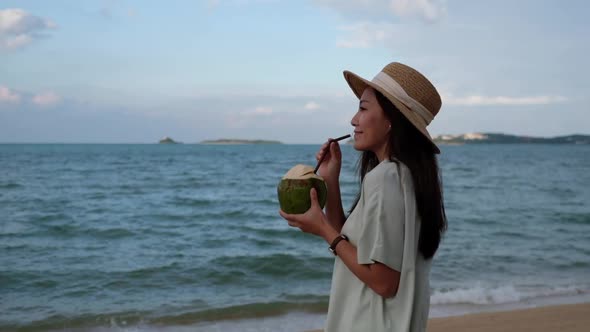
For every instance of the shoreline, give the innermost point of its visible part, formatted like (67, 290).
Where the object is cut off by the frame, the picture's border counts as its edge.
(546, 313)
(558, 317)
(442, 310)
(562, 317)
(550, 313)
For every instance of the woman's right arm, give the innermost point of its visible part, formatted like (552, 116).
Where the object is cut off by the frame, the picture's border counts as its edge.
(330, 171)
(334, 210)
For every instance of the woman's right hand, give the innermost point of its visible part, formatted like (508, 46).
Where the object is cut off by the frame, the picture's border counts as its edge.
(330, 167)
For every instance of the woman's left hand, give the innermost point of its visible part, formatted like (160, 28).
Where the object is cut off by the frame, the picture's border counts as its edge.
(313, 221)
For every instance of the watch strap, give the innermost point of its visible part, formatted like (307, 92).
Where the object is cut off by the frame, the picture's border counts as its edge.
(335, 242)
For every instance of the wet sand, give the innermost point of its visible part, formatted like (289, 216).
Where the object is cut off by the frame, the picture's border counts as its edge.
(563, 318)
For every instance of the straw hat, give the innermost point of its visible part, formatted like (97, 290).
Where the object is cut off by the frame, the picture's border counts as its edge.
(407, 89)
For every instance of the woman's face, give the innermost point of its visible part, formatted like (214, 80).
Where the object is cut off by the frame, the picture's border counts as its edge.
(371, 126)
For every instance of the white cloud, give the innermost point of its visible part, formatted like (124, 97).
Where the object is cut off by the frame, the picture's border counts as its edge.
(428, 10)
(279, 110)
(8, 96)
(46, 99)
(245, 118)
(19, 28)
(311, 106)
(262, 110)
(366, 34)
(112, 10)
(373, 22)
(215, 3)
(501, 100)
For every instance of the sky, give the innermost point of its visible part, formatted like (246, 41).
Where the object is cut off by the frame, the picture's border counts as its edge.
(134, 71)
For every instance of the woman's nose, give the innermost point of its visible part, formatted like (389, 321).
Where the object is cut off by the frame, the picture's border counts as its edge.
(354, 121)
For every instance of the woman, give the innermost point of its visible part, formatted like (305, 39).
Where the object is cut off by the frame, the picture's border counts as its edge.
(384, 248)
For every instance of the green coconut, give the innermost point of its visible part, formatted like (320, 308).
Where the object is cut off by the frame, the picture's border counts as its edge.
(294, 187)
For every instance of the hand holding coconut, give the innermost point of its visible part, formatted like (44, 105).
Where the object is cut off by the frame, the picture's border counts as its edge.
(313, 221)
(293, 189)
(303, 194)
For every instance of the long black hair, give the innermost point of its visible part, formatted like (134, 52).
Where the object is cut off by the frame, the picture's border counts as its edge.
(412, 148)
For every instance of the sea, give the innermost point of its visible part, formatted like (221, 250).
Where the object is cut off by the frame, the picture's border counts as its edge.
(187, 237)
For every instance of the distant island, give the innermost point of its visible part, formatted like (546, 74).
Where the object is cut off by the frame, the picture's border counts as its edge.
(239, 141)
(168, 140)
(478, 138)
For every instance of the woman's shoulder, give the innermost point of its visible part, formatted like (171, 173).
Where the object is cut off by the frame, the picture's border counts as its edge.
(386, 172)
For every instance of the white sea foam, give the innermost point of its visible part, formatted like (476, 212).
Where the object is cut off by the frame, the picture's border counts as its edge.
(486, 295)
(476, 295)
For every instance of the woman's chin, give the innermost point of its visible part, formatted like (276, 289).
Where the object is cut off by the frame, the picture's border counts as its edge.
(358, 146)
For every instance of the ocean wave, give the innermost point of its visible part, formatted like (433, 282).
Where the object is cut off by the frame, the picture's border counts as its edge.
(484, 295)
(573, 218)
(146, 320)
(279, 266)
(241, 213)
(10, 185)
(250, 310)
(109, 233)
(11, 228)
(192, 202)
(260, 202)
(147, 271)
(575, 264)
(275, 233)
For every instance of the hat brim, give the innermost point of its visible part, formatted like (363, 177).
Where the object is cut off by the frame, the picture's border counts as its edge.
(358, 86)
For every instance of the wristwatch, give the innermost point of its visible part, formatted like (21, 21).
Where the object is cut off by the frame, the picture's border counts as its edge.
(334, 243)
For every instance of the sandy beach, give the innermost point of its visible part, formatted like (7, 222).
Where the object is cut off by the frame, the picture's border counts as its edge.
(563, 318)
